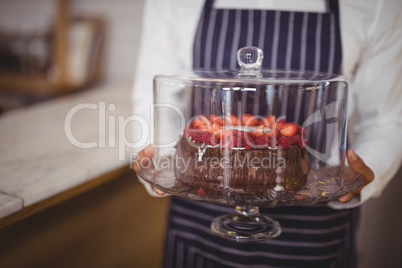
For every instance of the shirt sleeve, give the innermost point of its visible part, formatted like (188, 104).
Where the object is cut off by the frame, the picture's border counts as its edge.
(166, 46)
(375, 126)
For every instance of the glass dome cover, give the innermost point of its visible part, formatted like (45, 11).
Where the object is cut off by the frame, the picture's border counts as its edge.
(250, 138)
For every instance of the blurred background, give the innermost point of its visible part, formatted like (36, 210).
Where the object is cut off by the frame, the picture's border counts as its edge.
(49, 47)
(55, 51)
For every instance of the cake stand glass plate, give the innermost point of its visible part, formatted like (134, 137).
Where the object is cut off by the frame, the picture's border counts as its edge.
(250, 138)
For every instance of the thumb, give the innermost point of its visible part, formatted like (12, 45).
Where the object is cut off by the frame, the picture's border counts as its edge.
(358, 166)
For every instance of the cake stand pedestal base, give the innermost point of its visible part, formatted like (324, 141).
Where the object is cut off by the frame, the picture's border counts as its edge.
(246, 225)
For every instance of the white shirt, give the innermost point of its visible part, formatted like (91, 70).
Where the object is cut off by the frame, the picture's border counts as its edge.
(371, 34)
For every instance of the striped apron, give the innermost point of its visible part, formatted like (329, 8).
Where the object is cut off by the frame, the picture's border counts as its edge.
(314, 236)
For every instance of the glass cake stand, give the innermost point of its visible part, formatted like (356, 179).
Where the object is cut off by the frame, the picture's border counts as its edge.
(246, 223)
(202, 121)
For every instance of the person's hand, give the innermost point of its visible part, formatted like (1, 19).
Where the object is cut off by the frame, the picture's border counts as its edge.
(357, 164)
(144, 156)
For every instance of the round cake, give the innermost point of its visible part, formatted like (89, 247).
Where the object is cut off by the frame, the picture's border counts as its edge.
(244, 155)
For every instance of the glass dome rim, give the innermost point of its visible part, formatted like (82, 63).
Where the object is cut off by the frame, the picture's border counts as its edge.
(252, 77)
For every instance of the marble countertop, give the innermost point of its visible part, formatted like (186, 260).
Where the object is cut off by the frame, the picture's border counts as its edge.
(40, 154)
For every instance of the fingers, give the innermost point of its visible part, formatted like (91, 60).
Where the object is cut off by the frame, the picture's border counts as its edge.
(143, 157)
(156, 190)
(148, 151)
(358, 166)
(346, 198)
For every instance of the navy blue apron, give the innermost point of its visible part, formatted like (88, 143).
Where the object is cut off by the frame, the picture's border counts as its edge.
(315, 236)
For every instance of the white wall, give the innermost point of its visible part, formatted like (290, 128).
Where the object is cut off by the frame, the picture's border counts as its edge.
(26, 16)
(123, 33)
